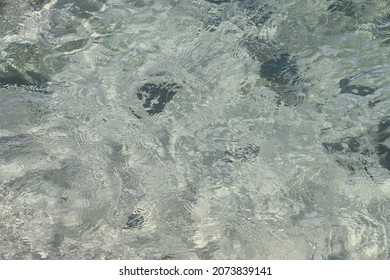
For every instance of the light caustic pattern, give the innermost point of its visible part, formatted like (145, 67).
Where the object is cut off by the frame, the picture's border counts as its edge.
(141, 129)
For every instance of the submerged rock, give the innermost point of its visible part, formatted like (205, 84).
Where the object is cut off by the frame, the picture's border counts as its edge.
(12, 146)
(258, 12)
(213, 22)
(243, 154)
(350, 8)
(218, 1)
(262, 50)
(382, 29)
(383, 137)
(13, 76)
(345, 87)
(38, 4)
(347, 7)
(24, 65)
(383, 132)
(83, 9)
(156, 96)
(135, 220)
(383, 152)
(279, 68)
(353, 153)
(348, 144)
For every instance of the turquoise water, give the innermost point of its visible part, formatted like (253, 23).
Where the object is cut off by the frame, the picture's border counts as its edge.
(141, 129)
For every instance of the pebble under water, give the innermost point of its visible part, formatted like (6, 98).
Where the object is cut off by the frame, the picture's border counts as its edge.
(194, 129)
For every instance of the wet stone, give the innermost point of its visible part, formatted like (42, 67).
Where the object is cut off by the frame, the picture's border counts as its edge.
(156, 96)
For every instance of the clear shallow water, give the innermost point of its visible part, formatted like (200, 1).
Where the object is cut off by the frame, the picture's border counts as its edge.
(194, 129)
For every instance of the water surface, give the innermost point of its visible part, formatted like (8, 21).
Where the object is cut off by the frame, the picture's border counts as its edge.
(141, 129)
